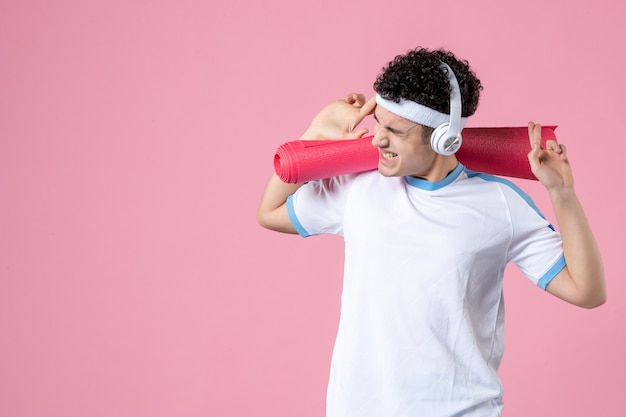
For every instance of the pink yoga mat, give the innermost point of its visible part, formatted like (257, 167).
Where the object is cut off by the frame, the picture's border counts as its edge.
(494, 150)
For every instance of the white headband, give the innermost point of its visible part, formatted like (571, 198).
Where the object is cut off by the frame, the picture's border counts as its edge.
(415, 112)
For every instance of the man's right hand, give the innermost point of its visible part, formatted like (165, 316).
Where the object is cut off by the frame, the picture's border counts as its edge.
(339, 119)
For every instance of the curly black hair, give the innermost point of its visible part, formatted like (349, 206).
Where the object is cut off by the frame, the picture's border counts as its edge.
(418, 76)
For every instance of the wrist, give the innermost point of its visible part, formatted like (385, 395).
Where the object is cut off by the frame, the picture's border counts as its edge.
(312, 133)
(562, 195)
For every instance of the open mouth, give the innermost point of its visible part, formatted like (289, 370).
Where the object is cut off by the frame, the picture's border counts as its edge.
(389, 155)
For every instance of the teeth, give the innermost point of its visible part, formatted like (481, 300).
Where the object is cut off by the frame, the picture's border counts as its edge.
(389, 155)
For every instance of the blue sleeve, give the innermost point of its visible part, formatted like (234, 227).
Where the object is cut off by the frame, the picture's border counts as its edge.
(552, 273)
(294, 218)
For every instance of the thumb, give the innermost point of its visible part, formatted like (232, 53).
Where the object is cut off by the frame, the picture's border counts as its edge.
(356, 134)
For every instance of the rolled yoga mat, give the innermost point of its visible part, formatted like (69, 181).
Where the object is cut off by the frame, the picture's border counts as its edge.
(493, 150)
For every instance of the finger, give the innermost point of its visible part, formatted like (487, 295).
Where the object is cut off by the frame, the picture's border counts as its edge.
(356, 99)
(557, 148)
(369, 106)
(535, 146)
(552, 145)
(534, 135)
(357, 133)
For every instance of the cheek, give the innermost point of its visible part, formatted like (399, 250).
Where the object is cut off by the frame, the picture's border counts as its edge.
(418, 154)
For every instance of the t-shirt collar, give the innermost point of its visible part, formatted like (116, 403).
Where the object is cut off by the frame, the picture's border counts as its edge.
(431, 186)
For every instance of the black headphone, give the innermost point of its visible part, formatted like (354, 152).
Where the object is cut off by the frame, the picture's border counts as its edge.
(446, 138)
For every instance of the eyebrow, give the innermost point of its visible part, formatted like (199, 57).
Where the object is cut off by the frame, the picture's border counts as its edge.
(391, 129)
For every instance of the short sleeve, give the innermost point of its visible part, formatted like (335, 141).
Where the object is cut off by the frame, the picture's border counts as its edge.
(318, 207)
(536, 247)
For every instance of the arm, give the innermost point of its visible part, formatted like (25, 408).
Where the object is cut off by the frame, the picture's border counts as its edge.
(338, 120)
(581, 282)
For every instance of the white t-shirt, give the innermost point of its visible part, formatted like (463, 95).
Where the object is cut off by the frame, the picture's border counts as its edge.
(421, 328)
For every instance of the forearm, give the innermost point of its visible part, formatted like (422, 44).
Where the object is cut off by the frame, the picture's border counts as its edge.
(272, 210)
(582, 255)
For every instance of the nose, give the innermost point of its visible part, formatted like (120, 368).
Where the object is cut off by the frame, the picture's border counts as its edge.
(380, 139)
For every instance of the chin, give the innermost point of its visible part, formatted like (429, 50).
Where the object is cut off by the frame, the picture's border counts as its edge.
(386, 173)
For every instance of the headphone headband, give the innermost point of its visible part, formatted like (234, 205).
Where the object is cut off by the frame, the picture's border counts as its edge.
(455, 102)
(446, 139)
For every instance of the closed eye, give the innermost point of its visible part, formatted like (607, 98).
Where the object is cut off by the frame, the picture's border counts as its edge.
(391, 129)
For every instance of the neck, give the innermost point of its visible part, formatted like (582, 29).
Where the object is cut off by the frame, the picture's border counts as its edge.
(441, 167)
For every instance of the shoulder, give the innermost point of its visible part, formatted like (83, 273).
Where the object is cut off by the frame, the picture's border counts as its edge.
(503, 184)
(517, 202)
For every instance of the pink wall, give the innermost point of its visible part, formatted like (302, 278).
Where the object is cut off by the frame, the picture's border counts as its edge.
(135, 140)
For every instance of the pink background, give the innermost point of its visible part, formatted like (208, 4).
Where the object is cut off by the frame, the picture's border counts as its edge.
(135, 141)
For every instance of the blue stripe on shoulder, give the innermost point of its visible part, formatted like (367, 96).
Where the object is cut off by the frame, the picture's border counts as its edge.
(493, 178)
(294, 219)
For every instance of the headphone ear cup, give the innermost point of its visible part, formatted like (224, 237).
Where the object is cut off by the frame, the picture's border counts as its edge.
(442, 142)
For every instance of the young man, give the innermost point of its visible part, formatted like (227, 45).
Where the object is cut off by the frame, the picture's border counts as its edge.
(426, 245)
